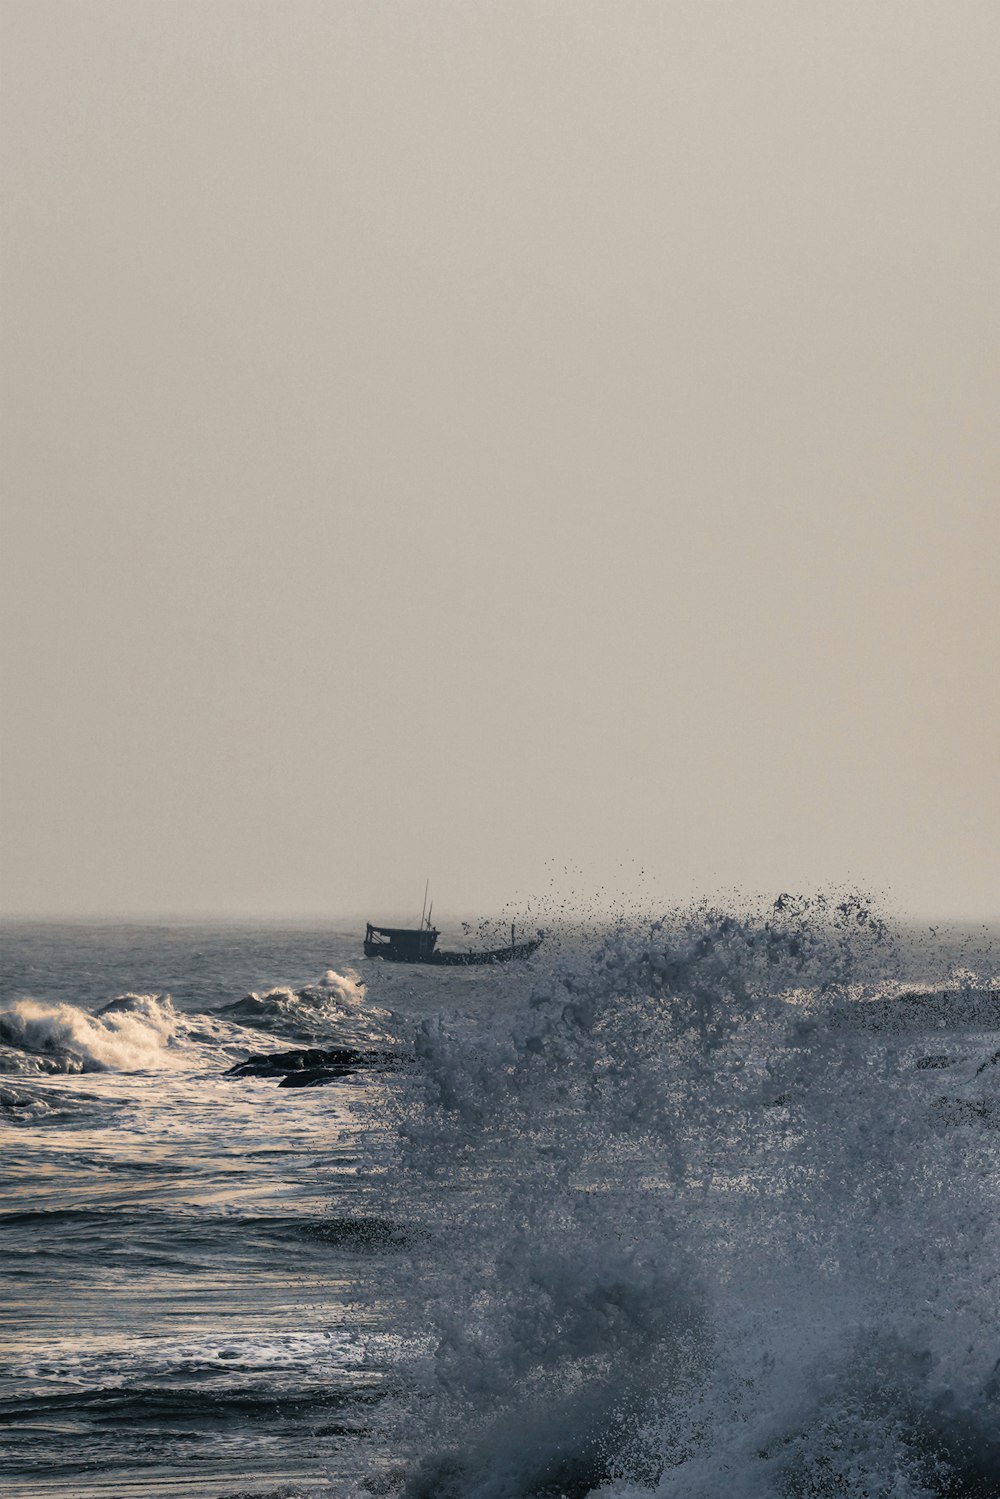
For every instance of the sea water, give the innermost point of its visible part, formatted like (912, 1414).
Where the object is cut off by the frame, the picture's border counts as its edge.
(692, 1206)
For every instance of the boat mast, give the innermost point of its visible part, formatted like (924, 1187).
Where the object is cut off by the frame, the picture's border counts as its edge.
(423, 908)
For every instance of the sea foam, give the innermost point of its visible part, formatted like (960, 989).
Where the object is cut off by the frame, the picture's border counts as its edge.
(135, 1033)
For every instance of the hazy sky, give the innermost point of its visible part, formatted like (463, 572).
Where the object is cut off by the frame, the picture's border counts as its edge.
(481, 440)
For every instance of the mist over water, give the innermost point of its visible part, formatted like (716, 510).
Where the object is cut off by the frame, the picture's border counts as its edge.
(697, 1205)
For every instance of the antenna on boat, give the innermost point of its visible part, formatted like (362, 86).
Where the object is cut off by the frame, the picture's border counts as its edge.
(423, 908)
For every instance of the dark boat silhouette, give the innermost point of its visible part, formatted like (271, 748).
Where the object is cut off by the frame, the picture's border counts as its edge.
(419, 945)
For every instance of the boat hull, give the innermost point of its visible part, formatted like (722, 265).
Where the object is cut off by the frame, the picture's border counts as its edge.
(513, 952)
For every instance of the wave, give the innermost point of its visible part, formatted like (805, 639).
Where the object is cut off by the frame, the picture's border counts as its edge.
(134, 1033)
(25, 1100)
(146, 1033)
(694, 1231)
(218, 1393)
(335, 1007)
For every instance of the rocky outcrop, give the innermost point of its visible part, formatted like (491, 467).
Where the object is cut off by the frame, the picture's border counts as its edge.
(309, 1066)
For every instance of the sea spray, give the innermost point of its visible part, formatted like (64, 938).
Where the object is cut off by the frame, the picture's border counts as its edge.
(691, 1229)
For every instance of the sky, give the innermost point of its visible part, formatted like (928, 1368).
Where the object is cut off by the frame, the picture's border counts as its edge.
(541, 447)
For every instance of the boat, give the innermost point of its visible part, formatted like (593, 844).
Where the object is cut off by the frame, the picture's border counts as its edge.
(397, 944)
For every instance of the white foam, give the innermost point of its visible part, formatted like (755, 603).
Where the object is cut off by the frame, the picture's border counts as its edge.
(334, 1009)
(134, 1034)
(145, 1032)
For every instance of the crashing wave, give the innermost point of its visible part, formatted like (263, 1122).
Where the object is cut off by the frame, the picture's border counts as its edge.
(690, 1231)
(145, 1032)
(134, 1033)
(333, 1008)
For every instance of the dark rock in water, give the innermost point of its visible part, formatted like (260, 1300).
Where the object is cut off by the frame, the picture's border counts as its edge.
(992, 1061)
(310, 1065)
(272, 1064)
(312, 1077)
(924, 1064)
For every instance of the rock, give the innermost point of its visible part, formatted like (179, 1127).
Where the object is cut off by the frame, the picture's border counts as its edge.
(312, 1077)
(309, 1065)
(277, 1063)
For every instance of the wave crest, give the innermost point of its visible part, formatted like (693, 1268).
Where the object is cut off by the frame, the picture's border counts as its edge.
(134, 1033)
(333, 1008)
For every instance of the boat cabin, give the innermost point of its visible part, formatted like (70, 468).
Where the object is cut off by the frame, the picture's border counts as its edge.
(400, 944)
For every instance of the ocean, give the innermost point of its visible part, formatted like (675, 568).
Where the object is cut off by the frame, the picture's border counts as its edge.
(696, 1206)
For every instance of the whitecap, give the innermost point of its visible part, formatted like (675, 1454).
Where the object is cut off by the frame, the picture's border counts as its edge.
(133, 1034)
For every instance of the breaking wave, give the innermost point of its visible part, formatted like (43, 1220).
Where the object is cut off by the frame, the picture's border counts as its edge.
(333, 1008)
(134, 1033)
(147, 1033)
(697, 1225)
